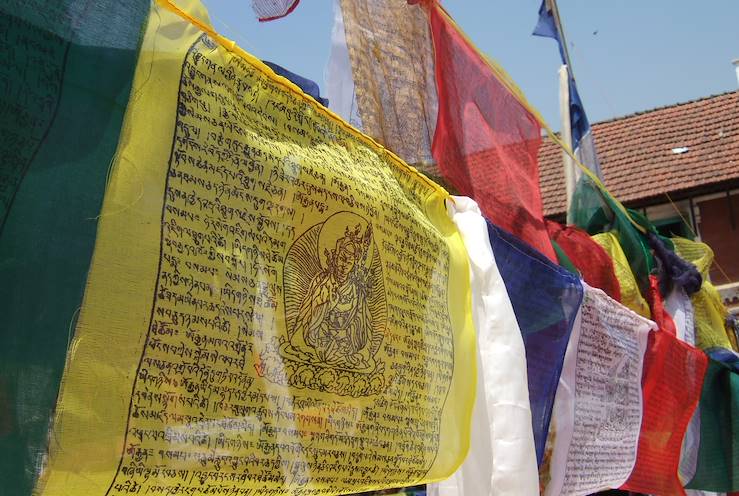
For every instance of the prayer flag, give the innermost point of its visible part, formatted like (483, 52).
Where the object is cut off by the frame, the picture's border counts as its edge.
(275, 303)
(718, 458)
(710, 313)
(65, 81)
(545, 300)
(392, 61)
(309, 87)
(486, 141)
(340, 86)
(590, 259)
(673, 376)
(678, 306)
(502, 458)
(657, 308)
(269, 10)
(582, 137)
(592, 443)
(630, 294)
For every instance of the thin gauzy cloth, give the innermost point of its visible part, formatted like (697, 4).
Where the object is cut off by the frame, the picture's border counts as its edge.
(710, 313)
(486, 141)
(502, 459)
(630, 293)
(391, 55)
(718, 457)
(545, 299)
(673, 375)
(321, 202)
(66, 79)
(592, 261)
(269, 10)
(592, 443)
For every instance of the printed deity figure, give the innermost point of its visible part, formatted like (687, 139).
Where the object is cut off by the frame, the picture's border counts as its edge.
(334, 323)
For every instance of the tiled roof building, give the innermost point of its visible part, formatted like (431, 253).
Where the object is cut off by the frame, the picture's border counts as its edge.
(692, 146)
(675, 162)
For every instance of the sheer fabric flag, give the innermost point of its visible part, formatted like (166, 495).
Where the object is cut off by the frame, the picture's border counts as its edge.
(673, 376)
(486, 141)
(630, 293)
(340, 87)
(582, 137)
(291, 285)
(392, 60)
(66, 79)
(269, 10)
(678, 306)
(718, 458)
(710, 313)
(657, 308)
(306, 85)
(596, 211)
(680, 309)
(545, 299)
(502, 458)
(592, 443)
(591, 260)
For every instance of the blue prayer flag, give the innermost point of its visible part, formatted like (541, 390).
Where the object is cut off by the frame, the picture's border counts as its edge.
(545, 299)
(582, 138)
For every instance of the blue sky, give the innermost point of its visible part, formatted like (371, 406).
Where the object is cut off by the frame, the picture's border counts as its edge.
(628, 55)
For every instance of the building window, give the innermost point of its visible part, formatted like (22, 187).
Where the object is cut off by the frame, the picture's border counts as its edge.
(673, 226)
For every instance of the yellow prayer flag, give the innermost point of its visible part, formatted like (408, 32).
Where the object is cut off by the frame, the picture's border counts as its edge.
(631, 297)
(276, 304)
(710, 313)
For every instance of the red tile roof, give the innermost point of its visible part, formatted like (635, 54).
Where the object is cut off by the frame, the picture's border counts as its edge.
(636, 154)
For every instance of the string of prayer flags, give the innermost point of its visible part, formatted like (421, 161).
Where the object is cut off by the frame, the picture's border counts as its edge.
(502, 458)
(66, 79)
(592, 444)
(292, 314)
(269, 10)
(486, 141)
(545, 300)
(673, 376)
(392, 62)
(591, 260)
(718, 457)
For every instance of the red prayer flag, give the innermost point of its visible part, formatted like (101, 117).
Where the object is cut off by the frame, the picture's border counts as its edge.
(657, 307)
(486, 141)
(593, 262)
(671, 382)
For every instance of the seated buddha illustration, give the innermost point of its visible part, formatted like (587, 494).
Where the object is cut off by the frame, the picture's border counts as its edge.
(334, 295)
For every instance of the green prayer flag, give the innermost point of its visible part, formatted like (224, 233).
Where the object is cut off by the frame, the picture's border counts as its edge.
(64, 86)
(718, 456)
